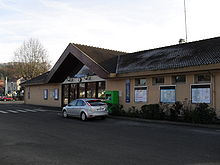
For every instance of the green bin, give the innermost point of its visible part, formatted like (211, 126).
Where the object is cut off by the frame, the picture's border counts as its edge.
(111, 98)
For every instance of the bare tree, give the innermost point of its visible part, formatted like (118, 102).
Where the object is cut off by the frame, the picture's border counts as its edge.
(31, 59)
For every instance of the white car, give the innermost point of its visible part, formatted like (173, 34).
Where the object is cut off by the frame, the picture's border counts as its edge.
(85, 108)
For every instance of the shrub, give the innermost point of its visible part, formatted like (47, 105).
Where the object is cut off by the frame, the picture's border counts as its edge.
(203, 114)
(152, 111)
(175, 111)
(116, 110)
(133, 112)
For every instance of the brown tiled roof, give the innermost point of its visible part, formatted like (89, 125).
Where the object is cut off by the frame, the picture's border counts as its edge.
(197, 53)
(105, 57)
(37, 80)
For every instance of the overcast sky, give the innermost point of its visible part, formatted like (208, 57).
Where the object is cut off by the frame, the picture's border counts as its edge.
(125, 25)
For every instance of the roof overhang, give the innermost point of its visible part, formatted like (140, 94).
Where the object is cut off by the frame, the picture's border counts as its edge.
(70, 62)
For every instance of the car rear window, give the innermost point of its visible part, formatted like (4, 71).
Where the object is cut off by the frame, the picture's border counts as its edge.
(95, 102)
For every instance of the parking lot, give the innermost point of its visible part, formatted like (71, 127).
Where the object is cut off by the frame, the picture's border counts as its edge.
(39, 135)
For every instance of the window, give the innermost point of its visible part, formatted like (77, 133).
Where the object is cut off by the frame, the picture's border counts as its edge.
(202, 78)
(73, 103)
(201, 93)
(158, 80)
(95, 102)
(80, 103)
(73, 91)
(179, 79)
(101, 89)
(65, 91)
(140, 82)
(45, 94)
(167, 94)
(56, 94)
(91, 90)
(82, 90)
(140, 94)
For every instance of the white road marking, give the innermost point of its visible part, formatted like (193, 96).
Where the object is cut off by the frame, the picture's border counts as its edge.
(40, 110)
(12, 111)
(3, 112)
(19, 110)
(30, 110)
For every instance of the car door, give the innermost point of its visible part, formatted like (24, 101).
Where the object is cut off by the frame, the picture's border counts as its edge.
(80, 105)
(71, 107)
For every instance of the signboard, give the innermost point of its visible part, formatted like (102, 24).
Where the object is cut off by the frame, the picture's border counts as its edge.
(140, 94)
(201, 94)
(168, 94)
(127, 91)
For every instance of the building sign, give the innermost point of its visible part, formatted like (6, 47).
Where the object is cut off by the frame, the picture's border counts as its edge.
(127, 91)
(201, 94)
(140, 94)
(167, 94)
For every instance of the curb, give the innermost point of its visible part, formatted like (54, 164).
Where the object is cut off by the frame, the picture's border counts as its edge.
(212, 126)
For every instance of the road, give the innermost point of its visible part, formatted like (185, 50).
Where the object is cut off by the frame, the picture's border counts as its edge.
(31, 135)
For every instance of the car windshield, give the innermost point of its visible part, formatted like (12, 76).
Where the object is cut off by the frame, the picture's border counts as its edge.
(95, 102)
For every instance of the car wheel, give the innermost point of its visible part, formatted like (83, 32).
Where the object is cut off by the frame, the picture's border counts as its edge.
(65, 115)
(83, 116)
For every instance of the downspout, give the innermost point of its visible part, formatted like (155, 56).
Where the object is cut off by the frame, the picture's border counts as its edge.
(214, 92)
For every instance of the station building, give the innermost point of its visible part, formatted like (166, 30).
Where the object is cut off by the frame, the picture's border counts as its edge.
(187, 72)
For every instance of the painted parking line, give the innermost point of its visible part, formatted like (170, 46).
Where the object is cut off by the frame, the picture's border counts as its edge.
(12, 111)
(3, 112)
(30, 110)
(40, 110)
(19, 110)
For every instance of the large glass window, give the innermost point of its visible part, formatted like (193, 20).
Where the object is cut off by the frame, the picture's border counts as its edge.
(101, 89)
(201, 93)
(140, 94)
(73, 91)
(65, 94)
(91, 90)
(82, 90)
(167, 94)
(140, 90)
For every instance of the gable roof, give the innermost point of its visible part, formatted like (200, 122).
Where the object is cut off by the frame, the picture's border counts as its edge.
(197, 53)
(76, 55)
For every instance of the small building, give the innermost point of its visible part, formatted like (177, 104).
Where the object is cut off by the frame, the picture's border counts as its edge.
(187, 72)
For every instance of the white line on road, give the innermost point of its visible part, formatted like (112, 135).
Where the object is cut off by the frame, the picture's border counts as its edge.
(12, 111)
(30, 110)
(40, 110)
(3, 112)
(19, 110)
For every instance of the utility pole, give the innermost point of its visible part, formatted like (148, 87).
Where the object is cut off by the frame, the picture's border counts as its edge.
(185, 19)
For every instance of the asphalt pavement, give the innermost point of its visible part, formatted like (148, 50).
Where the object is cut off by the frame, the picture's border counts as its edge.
(35, 135)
